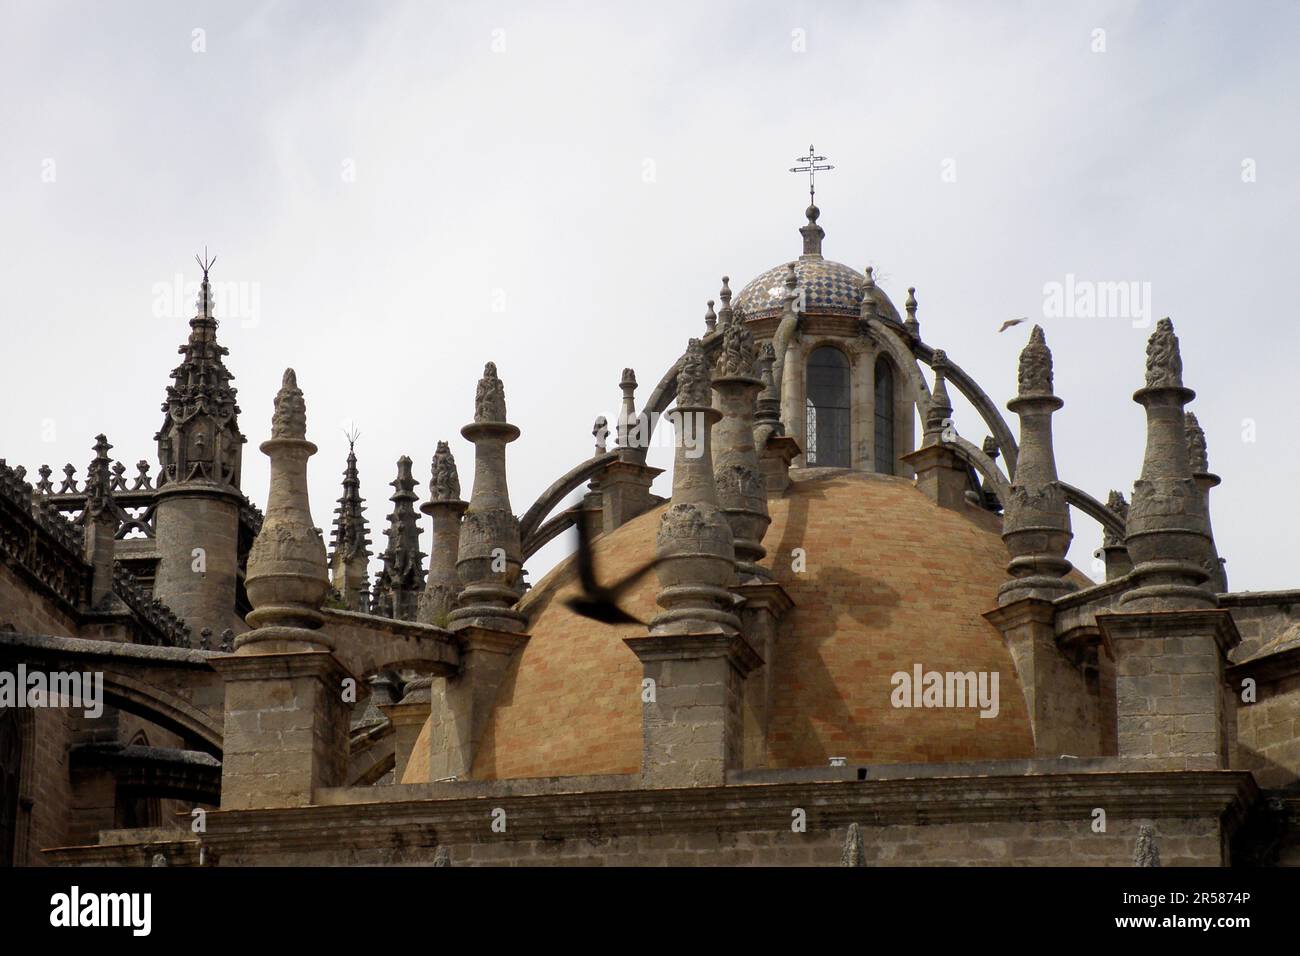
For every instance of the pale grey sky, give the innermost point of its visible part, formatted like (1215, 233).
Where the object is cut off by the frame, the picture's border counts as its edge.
(405, 191)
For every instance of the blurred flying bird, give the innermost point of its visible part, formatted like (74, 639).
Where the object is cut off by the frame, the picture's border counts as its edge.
(1010, 322)
(596, 601)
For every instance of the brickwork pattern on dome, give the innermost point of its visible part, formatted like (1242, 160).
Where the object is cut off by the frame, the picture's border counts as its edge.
(892, 579)
(830, 288)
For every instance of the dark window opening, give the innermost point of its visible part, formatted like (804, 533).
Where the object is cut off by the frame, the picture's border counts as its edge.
(11, 759)
(828, 409)
(884, 445)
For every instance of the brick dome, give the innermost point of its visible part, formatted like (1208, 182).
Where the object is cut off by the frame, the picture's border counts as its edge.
(891, 580)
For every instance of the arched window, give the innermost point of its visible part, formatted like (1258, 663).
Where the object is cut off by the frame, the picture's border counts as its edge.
(884, 446)
(828, 409)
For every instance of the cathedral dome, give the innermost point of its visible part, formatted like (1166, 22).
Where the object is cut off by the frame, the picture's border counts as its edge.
(830, 288)
(891, 581)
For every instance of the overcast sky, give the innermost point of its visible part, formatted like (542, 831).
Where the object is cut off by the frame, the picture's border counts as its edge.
(400, 192)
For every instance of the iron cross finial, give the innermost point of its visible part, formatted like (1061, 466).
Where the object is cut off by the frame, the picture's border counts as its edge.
(811, 168)
(205, 263)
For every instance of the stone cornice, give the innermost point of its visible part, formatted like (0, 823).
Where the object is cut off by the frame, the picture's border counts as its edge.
(1216, 621)
(1069, 796)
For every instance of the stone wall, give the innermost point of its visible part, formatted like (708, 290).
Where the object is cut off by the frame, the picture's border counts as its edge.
(1031, 819)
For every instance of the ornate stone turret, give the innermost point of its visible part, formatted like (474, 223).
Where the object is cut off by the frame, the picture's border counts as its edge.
(401, 581)
(695, 542)
(285, 729)
(445, 508)
(200, 439)
(490, 553)
(1113, 548)
(1199, 460)
(350, 557)
(1036, 522)
(101, 519)
(694, 655)
(287, 579)
(741, 491)
(200, 449)
(1170, 641)
(1168, 534)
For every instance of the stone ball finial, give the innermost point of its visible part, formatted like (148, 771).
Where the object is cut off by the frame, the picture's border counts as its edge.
(490, 399)
(1036, 365)
(694, 383)
(725, 292)
(290, 417)
(628, 380)
(1164, 361)
(813, 213)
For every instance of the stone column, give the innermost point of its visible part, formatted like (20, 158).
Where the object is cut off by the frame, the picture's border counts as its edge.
(775, 449)
(286, 721)
(489, 558)
(765, 606)
(446, 509)
(694, 655)
(1170, 640)
(741, 491)
(1036, 521)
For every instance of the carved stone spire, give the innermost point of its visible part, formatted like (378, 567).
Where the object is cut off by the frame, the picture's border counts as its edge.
(200, 438)
(1168, 533)
(402, 579)
(741, 490)
(446, 509)
(490, 399)
(710, 319)
(695, 543)
(1036, 519)
(1113, 547)
(287, 579)
(350, 557)
(627, 420)
(1199, 461)
(724, 294)
(490, 554)
(101, 518)
(911, 324)
(940, 409)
